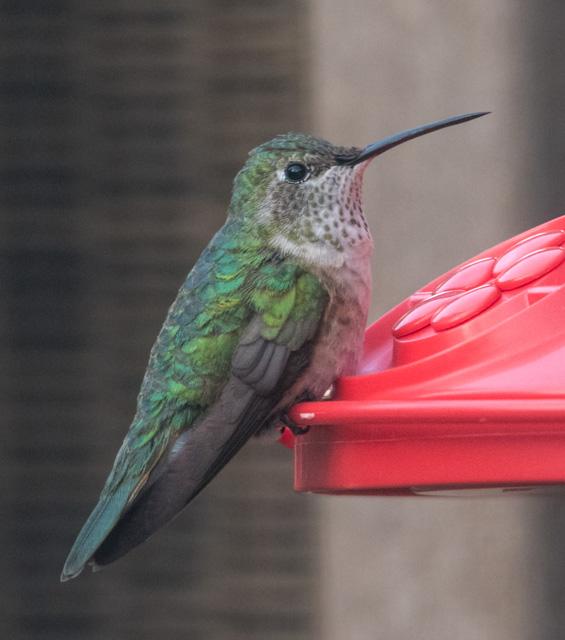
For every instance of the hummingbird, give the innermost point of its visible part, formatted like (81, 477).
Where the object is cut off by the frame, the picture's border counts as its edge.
(273, 311)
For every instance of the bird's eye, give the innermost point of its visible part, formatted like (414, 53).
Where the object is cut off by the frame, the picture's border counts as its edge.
(296, 172)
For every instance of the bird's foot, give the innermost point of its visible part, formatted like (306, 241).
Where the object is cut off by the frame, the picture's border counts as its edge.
(288, 422)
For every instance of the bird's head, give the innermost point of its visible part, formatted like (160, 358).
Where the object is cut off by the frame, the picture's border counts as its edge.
(304, 193)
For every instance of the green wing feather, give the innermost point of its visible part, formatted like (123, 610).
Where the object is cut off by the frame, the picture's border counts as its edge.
(235, 294)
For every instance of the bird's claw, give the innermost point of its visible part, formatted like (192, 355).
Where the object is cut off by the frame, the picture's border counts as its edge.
(296, 430)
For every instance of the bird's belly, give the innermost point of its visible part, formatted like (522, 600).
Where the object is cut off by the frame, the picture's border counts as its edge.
(338, 349)
(339, 341)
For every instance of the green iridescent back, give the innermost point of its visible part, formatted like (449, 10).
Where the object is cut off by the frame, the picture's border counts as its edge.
(234, 279)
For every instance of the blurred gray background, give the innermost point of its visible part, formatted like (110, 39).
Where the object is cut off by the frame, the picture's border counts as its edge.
(122, 125)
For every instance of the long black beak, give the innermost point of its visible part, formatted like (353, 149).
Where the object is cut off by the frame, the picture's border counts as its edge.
(376, 148)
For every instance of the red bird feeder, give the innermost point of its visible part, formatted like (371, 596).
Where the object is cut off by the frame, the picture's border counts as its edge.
(461, 386)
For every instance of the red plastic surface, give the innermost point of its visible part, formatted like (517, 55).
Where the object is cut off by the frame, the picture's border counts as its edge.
(469, 276)
(458, 389)
(421, 315)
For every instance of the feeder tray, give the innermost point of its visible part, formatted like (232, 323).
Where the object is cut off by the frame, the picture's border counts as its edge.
(461, 386)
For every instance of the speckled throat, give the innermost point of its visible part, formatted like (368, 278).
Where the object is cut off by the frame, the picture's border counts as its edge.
(324, 221)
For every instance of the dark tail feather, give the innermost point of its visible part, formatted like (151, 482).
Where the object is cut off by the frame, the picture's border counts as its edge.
(95, 530)
(196, 457)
